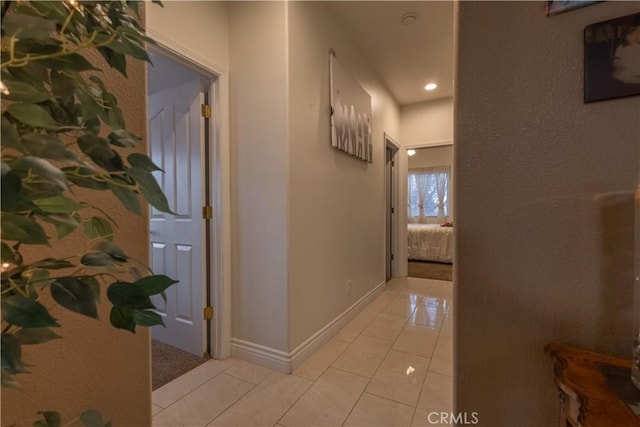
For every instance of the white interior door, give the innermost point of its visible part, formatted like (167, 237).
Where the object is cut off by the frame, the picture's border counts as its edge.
(177, 241)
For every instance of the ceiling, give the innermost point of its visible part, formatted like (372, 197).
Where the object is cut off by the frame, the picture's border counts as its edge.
(405, 57)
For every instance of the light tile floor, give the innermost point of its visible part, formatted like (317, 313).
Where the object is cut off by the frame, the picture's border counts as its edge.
(390, 366)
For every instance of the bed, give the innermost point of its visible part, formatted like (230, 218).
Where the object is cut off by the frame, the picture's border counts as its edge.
(430, 242)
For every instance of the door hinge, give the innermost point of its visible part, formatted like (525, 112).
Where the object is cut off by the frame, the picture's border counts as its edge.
(391, 257)
(207, 212)
(393, 163)
(207, 313)
(206, 111)
(392, 210)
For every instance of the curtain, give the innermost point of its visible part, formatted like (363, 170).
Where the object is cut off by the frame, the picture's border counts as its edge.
(428, 194)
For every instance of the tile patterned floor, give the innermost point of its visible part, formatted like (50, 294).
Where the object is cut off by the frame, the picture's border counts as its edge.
(390, 366)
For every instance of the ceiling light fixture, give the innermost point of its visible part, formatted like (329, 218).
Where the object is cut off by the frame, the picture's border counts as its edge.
(411, 152)
(430, 86)
(408, 19)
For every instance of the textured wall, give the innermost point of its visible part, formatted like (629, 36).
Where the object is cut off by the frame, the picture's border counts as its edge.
(336, 202)
(93, 366)
(544, 207)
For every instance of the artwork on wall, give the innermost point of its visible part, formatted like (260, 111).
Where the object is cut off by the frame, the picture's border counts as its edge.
(555, 7)
(350, 113)
(612, 59)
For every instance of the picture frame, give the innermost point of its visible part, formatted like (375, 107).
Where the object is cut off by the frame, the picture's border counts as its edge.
(554, 7)
(612, 59)
(351, 115)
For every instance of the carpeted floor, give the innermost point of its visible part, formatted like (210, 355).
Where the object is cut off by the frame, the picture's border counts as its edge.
(430, 270)
(168, 363)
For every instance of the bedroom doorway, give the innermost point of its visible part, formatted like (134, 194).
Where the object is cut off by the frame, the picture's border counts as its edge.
(430, 212)
(391, 185)
(179, 133)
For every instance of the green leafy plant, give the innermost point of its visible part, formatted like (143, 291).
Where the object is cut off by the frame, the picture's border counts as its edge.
(64, 136)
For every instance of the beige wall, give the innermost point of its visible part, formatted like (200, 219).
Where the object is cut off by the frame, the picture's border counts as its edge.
(94, 366)
(427, 122)
(433, 156)
(544, 209)
(260, 170)
(336, 202)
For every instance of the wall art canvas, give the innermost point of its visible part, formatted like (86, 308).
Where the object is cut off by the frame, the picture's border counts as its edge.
(350, 113)
(612, 59)
(558, 6)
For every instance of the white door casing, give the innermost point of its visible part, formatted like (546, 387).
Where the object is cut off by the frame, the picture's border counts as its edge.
(176, 133)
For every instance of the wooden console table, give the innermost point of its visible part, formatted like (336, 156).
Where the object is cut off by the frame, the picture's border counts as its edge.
(586, 395)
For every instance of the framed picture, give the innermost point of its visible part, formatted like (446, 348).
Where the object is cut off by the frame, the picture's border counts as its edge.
(612, 59)
(350, 113)
(555, 7)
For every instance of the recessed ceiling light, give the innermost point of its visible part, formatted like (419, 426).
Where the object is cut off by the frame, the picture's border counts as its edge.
(430, 86)
(411, 152)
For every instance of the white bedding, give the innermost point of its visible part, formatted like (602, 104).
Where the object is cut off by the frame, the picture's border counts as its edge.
(430, 242)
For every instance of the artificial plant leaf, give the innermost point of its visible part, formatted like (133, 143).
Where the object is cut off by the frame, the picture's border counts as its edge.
(65, 223)
(100, 152)
(85, 177)
(88, 104)
(91, 419)
(71, 63)
(22, 26)
(22, 311)
(75, 295)
(8, 256)
(24, 92)
(29, 336)
(43, 169)
(127, 197)
(51, 419)
(124, 294)
(62, 85)
(32, 115)
(46, 145)
(10, 137)
(153, 285)
(122, 318)
(98, 228)
(37, 277)
(115, 60)
(149, 188)
(142, 161)
(58, 204)
(97, 259)
(123, 138)
(147, 318)
(112, 249)
(52, 264)
(22, 229)
(10, 188)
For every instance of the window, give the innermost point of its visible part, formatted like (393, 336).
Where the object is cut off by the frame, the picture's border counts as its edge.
(429, 194)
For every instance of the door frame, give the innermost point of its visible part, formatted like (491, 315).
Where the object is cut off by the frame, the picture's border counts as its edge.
(395, 221)
(219, 236)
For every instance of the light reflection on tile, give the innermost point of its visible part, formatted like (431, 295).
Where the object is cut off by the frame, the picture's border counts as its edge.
(400, 377)
(329, 387)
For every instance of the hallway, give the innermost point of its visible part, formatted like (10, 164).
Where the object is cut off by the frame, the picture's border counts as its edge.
(390, 366)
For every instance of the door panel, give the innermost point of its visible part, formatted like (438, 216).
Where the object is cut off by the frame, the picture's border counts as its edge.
(175, 135)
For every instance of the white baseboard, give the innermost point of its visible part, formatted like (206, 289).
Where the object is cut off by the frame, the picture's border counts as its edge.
(286, 362)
